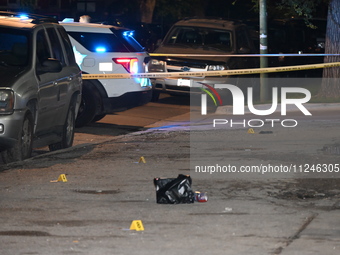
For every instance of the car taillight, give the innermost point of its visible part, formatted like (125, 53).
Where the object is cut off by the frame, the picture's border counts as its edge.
(130, 64)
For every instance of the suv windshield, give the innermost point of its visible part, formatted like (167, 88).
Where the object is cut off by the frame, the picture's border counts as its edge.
(13, 47)
(102, 42)
(197, 36)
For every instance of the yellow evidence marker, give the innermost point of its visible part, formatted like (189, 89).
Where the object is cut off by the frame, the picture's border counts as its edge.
(251, 131)
(141, 159)
(137, 225)
(61, 178)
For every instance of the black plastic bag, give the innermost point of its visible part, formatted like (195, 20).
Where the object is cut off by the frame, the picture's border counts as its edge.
(174, 190)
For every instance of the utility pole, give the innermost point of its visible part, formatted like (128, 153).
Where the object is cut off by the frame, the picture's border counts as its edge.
(263, 50)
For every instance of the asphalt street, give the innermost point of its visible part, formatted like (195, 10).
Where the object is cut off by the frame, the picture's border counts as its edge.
(109, 186)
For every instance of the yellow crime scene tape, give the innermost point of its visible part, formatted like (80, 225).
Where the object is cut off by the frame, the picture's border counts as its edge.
(246, 55)
(211, 73)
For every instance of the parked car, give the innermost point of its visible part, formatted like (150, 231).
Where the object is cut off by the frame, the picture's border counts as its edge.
(106, 49)
(202, 37)
(40, 89)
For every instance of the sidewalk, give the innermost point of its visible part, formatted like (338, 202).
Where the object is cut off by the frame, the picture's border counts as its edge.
(198, 121)
(227, 110)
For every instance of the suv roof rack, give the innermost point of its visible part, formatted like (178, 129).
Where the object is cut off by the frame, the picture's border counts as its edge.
(36, 19)
(213, 18)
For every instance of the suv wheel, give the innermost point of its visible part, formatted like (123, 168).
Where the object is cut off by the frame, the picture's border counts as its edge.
(155, 95)
(87, 109)
(23, 148)
(98, 117)
(68, 131)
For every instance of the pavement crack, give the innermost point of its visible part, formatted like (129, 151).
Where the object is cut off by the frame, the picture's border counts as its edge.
(296, 235)
(336, 205)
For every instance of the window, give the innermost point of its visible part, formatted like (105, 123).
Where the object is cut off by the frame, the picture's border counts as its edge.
(242, 39)
(99, 42)
(67, 44)
(56, 46)
(13, 48)
(205, 37)
(86, 6)
(42, 47)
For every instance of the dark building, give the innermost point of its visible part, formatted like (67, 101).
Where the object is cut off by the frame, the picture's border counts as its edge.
(57, 8)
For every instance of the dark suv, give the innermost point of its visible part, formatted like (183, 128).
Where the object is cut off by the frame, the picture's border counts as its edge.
(203, 37)
(40, 91)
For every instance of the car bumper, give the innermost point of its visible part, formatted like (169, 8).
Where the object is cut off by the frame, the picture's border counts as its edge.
(127, 101)
(186, 86)
(10, 128)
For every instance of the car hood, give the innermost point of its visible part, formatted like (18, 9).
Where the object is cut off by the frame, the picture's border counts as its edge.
(9, 75)
(163, 49)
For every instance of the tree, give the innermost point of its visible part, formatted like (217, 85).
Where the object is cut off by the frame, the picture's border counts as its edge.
(27, 5)
(146, 10)
(330, 84)
(306, 8)
(171, 11)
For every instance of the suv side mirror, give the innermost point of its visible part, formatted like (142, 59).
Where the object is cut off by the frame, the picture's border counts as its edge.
(50, 66)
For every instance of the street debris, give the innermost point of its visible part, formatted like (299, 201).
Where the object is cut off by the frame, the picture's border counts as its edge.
(265, 132)
(174, 190)
(177, 191)
(201, 196)
(228, 209)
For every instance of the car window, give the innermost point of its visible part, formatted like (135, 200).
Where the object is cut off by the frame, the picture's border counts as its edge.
(42, 47)
(57, 51)
(196, 36)
(67, 44)
(13, 47)
(127, 37)
(243, 39)
(105, 42)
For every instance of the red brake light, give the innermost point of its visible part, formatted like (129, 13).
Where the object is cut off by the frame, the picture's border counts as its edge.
(130, 64)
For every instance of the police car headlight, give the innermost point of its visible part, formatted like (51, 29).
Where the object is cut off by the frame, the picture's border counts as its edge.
(6, 101)
(216, 68)
(156, 65)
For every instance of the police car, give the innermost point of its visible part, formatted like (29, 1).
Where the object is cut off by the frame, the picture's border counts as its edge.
(106, 49)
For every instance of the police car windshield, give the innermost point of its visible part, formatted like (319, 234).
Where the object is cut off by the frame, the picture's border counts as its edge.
(104, 42)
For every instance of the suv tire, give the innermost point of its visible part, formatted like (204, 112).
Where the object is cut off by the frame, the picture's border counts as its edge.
(23, 148)
(88, 107)
(68, 131)
(98, 117)
(155, 95)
